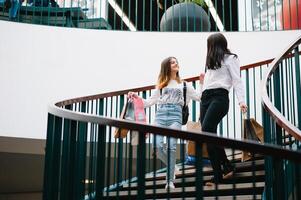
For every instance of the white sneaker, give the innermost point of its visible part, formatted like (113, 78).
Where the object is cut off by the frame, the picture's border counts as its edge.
(177, 169)
(170, 185)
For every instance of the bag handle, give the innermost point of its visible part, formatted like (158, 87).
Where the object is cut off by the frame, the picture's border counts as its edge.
(124, 110)
(244, 117)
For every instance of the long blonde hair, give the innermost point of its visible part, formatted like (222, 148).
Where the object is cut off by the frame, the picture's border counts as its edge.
(165, 73)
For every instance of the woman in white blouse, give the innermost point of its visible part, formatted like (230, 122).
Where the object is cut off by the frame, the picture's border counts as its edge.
(222, 72)
(169, 98)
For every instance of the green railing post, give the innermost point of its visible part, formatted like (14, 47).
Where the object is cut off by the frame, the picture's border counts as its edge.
(194, 105)
(47, 187)
(279, 165)
(56, 157)
(66, 184)
(199, 170)
(298, 180)
(65, 181)
(81, 153)
(101, 157)
(248, 91)
(298, 84)
(120, 151)
(72, 171)
(269, 172)
(141, 165)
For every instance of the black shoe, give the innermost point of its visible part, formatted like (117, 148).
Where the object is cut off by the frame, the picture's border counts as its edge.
(213, 181)
(228, 170)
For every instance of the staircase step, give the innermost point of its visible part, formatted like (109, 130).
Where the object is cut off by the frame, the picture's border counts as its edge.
(239, 197)
(221, 190)
(240, 167)
(242, 177)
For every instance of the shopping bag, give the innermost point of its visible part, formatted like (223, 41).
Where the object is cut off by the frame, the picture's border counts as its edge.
(127, 113)
(252, 130)
(140, 116)
(139, 110)
(195, 126)
(133, 110)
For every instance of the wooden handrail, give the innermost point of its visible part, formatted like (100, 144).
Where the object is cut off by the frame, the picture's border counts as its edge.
(274, 113)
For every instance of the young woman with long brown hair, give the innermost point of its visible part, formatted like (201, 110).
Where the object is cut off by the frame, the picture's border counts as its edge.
(170, 100)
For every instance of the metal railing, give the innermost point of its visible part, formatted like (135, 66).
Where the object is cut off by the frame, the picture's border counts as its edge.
(282, 118)
(167, 15)
(85, 160)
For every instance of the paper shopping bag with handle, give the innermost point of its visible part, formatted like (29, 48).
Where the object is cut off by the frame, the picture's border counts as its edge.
(252, 130)
(195, 126)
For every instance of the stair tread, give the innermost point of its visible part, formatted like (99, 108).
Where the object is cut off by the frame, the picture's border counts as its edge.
(192, 179)
(240, 197)
(177, 192)
(206, 170)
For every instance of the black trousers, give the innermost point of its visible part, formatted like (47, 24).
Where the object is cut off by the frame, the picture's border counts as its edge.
(214, 106)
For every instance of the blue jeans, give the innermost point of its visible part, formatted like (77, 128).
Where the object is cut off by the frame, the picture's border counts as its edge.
(15, 5)
(168, 115)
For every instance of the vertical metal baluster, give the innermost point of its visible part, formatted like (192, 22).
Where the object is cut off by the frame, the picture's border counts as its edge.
(136, 14)
(121, 21)
(151, 15)
(141, 166)
(199, 170)
(268, 20)
(298, 84)
(101, 175)
(66, 157)
(109, 151)
(120, 149)
(129, 8)
(231, 17)
(143, 15)
(275, 14)
(48, 174)
(223, 13)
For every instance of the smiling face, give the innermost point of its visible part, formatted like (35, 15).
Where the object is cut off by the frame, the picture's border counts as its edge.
(174, 67)
(169, 70)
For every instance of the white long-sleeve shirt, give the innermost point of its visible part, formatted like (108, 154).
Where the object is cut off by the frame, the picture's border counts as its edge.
(226, 77)
(172, 94)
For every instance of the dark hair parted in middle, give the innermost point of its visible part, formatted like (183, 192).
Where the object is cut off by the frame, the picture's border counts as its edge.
(217, 48)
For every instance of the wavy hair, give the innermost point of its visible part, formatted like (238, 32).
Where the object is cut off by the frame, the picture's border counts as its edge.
(165, 73)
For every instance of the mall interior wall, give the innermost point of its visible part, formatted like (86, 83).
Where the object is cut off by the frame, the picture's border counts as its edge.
(40, 65)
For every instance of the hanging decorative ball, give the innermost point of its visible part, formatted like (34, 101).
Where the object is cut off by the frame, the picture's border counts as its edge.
(185, 17)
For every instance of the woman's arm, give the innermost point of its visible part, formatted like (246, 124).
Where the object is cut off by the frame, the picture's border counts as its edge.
(193, 93)
(153, 99)
(239, 89)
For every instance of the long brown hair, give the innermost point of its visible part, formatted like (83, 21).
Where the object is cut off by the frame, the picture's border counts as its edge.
(217, 48)
(165, 73)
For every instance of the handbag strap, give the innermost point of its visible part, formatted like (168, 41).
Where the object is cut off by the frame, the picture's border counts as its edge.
(184, 92)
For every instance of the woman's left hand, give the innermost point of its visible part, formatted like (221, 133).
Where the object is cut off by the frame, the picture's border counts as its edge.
(243, 107)
(202, 77)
